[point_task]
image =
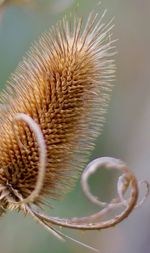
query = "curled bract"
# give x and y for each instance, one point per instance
(13, 199)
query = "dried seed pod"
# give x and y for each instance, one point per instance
(63, 85)
(51, 112)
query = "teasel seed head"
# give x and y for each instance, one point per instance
(63, 84)
(51, 113)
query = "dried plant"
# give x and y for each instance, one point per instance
(51, 112)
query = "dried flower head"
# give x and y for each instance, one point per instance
(51, 112)
(63, 85)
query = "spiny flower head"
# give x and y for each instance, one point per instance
(51, 112)
(63, 85)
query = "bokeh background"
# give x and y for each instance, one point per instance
(126, 134)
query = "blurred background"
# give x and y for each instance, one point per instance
(126, 134)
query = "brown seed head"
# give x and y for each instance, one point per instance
(63, 84)
(51, 113)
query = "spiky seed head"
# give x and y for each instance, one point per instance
(64, 85)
